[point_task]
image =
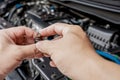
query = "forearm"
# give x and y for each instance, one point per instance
(97, 68)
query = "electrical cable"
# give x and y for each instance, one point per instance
(109, 56)
(17, 6)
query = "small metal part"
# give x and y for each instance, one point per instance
(37, 37)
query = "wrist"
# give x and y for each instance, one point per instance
(85, 66)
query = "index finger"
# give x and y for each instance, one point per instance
(57, 28)
(20, 31)
(21, 34)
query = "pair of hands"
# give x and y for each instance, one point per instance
(71, 52)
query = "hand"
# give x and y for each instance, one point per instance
(70, 52)
(74, 55)
(16, 44)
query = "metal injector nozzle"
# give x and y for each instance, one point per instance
(37, 37)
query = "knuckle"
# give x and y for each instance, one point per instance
(55, 24)
(76, 30)
(24, 27)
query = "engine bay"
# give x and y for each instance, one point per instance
(103, 32)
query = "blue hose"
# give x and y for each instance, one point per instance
(109, 56)
(18, 6)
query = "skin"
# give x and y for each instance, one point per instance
(16, 44)
(71, 52)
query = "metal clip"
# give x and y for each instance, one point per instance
(37, 37)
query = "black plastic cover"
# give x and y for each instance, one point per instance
(107, 12)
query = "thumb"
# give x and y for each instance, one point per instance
(28, 51)
(45, 46)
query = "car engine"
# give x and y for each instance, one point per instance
(99, 19)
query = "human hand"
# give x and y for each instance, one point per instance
(70, 52)
(16, 44)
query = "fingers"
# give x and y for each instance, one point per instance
(45, 46)
(57, 28)
(19, 33)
